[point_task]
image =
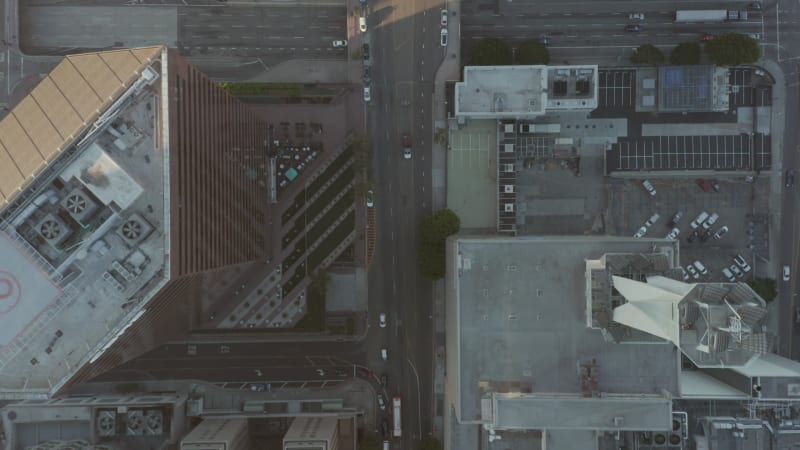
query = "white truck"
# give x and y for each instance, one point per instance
(709, 16)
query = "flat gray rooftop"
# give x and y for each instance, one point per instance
(522, 325)
(535, 413)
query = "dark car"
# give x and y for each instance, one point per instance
(342, 373)
(695, 234)
(789, 178)
(633, 28)
(365, 52)
(709, 232)
(385, 428)
(384, 379)
(367, 74)
(754, 6)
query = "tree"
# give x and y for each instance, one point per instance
(764, 287)
(685, 54)
(731, 49)
(648, 54)
(491, 52)
(433, 233)
(430, 443)
(532, 53)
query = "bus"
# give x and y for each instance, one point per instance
(397, 432)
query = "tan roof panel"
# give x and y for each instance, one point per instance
(46, 121)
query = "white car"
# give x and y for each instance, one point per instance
(384, 354)
(722, 232)
(712, 219)
(787, 273)
(636, 16)
(742, 263)
(673, 235)
(649, 186)
(362, 24)
(370, 199)
(684, 274)
(382, 320)
(443, 39)
(698, 220)
(653, 219)
(736, 271)
(641, 232)
(381, 402)
(339, 44)
(690, 268)
(701, 268)
(367, 93)
(729, 275)
(444, 17)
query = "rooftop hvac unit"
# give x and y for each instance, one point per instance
(508, 148)
(106, 423)
(508, 167)
(78, 205)
(134, 229)
(508, 188)
(135, 422)
(508, 128)
(154, 421)
(508, 207)
(53, 230)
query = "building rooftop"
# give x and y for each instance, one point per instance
(83, 242)
(521, 322)
(525, 92)
(693, 88)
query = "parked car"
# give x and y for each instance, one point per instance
(384, 354)
(382, 320)
(685, 274)
(675, 219)
(690, 268)
(633, 28)
(384, 379)
(362, 24)
(370, 198)
(444, 18)
(736, 271)
(338, 44)
(722, 232)
(754, 6)
(649, 187)
(695, 234)
(741, 263)
(700, 268)
(406, 146)
(367, 93)
(707, 235)
(673, 235)
(787, 273)
(712, 219)
(258, 387)
(699, 220)
(789, 178)
(653, 219)
(636, 16)
(443, 37)
(728, 275)
(381, 402)
(367, 74)
(641, 232)
(756, 36)
(705, 37)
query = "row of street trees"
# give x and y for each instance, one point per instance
(730, 49)
(497, 52)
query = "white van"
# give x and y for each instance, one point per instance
(701, 268)
(362, 24)
(710, 221)
(698, 220)
(385, 445)
(729, 275)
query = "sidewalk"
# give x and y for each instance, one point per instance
(448, 70)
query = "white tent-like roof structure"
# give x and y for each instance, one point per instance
(650, 308)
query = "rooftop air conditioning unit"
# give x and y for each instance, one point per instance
(106, 423)
(78, 205)
(508, 207)
(154, 421)
(134, 422)
(134, 229)
(508, 188)
(508, 167)
(53, 230)
(508, 148)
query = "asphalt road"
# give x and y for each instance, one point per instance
(402, 103)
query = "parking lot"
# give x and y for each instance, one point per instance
(748, 89)
(617, 89)
(735, 203)
(731, 152)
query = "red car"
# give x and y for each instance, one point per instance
(706, 37)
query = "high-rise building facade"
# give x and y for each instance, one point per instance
(127, 177)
